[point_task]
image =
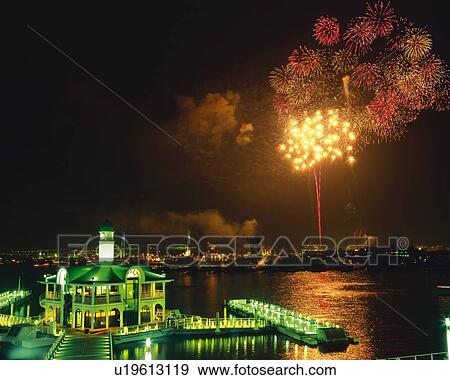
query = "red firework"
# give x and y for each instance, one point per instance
(366, 75)
(326, 31)
(381, 17)
(396, 37)
(383, 108)
(359, 37)
(282, 104)
(305, 61)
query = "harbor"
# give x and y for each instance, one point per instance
(101, 310)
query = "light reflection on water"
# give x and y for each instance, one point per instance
(348, 299)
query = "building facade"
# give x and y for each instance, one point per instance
(105, 295)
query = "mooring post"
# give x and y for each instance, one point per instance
(28, 311)
(12, 308)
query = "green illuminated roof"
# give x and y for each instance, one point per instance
(106, 226)
(105, 274)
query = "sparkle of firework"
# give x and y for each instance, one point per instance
(343, 61)
(416, 44)
(381, 17)
(280, 79)
(366, 75)
(318, 138)
(397, 35)
(382, 109)
(326, 31)
(359, 36)
(305, 61)
(282, 104)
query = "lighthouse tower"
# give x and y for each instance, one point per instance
(106, 243)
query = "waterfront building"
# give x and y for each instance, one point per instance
(104, 295)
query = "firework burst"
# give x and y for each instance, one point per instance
(281, 79)
(282, 104)
(320, 137)
(305, 61)
(343, 61)
(381, 17)
(359, 37)
(366, 75)
(326, 31)
(416, 44)
(361, 100)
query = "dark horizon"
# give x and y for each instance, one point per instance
(73, 154)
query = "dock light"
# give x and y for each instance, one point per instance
(148, 342)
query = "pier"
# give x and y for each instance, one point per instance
(11, 297)
(304, 329)
(190, 325)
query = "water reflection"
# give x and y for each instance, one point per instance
(348, 299)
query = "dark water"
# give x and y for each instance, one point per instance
(353, 300)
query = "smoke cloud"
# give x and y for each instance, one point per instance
(206, 222)
(210, 124)
(245, 134)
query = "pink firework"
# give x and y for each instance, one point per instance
(381, 17)
(383, 108)
(305, 61)
(366, 75)
(326, 31)
(359, 37)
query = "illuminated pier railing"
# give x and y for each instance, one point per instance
(195, 323)
(199, 323)
(11, 297)
(10, 320)
(278, 316)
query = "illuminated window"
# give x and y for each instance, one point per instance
(133, 273)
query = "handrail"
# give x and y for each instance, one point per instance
(55, 346)
(111, 348)
(420, 356)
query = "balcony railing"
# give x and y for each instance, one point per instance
(53, 296)
(115, 298)
(149, 295)
(98, 300)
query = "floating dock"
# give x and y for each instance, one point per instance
(301, 328)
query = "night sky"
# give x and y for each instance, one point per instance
(72, 154)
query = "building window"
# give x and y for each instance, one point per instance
(159, 314)
(145, 314)
(78, 319)
(87, 319)
(133, 273)
(100, 319)
(114, 289)
(100, 290)
(114, 318)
